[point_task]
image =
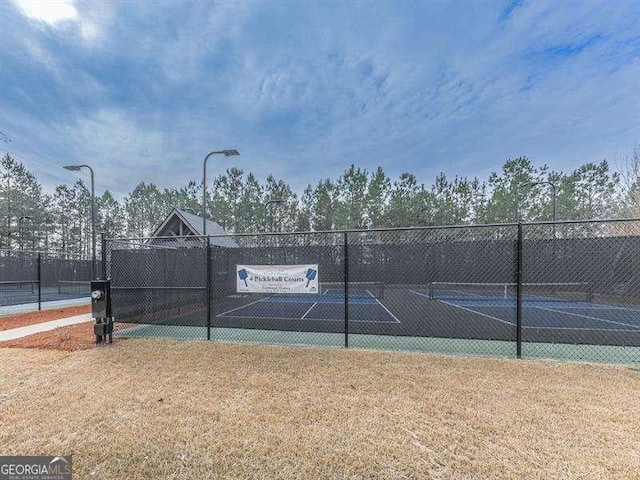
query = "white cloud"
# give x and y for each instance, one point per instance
(89, 19)
(304, 91)
(48, 11)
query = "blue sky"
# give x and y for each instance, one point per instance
(142, 91)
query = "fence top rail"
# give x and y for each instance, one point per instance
(382, 229)
(320, 232)
(573, 222)
(66, 256)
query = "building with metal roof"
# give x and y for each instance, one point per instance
(183, 224)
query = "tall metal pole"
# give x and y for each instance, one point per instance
(204, 193)
(93, 226)
(75, 168)
(226, 153)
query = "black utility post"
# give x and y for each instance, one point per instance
(226, 153)
(39, 281)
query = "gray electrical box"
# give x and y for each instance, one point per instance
(101, 299)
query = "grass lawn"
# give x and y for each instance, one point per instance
(167, 409)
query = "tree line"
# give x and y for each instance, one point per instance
(358, 199)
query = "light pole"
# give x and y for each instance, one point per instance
(226, 153)
(270, 212)
(20, 237)
(75, 168)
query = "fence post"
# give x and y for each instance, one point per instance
(39, 281)
(208, 250)
(519, 295)
(103, 255)
(346, 291)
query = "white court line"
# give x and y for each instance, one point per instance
(238, 308)
(307, 312)
(467, 309)
(224, 314)
(478, 313)
(418, 293)
(253, 303)
(590, 317)
(385, 308)
(598, 306)
(634, 327)
(580, 329)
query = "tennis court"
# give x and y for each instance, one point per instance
(537, 290)
(552, 313)
(329, 306)
(34, 280)
(552, 306)
(26, 292)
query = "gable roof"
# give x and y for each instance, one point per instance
(193, 224)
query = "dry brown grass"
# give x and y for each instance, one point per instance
(163, 409)
(22, 319)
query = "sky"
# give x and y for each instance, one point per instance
(141, 91)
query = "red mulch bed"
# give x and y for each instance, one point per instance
(30, 318)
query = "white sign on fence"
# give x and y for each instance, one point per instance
(277, 278)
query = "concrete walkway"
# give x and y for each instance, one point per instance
(20, 332)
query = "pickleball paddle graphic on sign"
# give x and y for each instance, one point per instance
(243, 276)
(311, 274)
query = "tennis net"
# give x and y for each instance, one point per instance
(74, 287)
(355, 290)
(25, 286)
(551, 292)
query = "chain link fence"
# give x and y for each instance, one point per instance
(539, 290)
(29, 279)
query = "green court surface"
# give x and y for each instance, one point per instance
(434, 345)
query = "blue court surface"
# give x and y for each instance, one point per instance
(329, 307)
(547, 313)
(538, 312)
(405, 311)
